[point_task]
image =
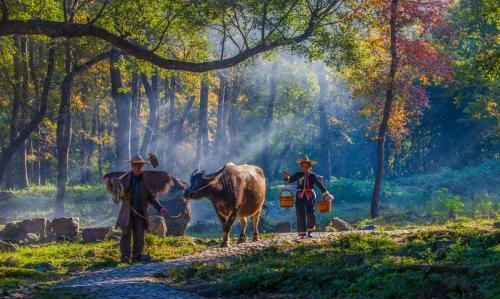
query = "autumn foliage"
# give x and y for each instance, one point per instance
(422, 61)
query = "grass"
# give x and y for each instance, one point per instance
(457, 260)
(50, 262)
(371, 265)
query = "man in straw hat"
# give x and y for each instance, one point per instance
(133, 216)
(305, 197)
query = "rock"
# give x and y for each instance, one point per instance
(157, 226)
(38, 226)
(7, 247)
(12, 231)
(75, 269)
(283, 227)
(340, 225)
(65, 227)
(30, 238)
(368, 227)
(95, 234)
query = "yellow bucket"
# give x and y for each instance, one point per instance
(324, 205)
(286, 198)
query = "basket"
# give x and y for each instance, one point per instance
(324, 205)
(286, 199)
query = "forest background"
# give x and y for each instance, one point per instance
(75, 103)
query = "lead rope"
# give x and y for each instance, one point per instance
(137, 213)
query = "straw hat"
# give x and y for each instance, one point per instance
(306, 160)
(137, 159)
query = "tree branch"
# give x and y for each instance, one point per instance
(88, 64)
(72, 30)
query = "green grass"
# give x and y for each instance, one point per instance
(426, 264)
(29, 264)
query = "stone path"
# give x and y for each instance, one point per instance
(139, 281)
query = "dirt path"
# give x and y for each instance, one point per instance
(139, 281)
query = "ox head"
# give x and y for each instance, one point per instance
(200, 183)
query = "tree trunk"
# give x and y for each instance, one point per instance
(90, 142)
(152, 95)
(220, 134)
(63, 131)
(22, 169)
(171, 105)
(122, 103)
(63, 138)
(135, 113)
(323, 123)
(16, 107)
(375, 208)
(268, 122)
(35, 143)
(279, 162)
(170, 131)
(202, 140)
(100, 129)
(232, 122)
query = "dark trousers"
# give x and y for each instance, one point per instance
(306, 215)
(136, 229)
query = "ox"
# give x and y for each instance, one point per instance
(235, 191)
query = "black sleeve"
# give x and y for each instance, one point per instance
(319, 182)
(293, 178)
(153, 201)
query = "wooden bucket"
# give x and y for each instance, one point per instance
(324, 205)
(286, 199)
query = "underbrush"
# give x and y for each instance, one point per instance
(49, 262)
(440, 262)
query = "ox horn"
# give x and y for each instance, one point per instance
(214, 174)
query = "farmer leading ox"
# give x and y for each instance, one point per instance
(235, 191)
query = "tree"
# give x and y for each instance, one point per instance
(17, 142)
(63, 140)
(375, 209)
(401, 58)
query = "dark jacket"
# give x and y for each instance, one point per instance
(147, 198)
(313, 179)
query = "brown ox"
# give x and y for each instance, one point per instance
(235, 191)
